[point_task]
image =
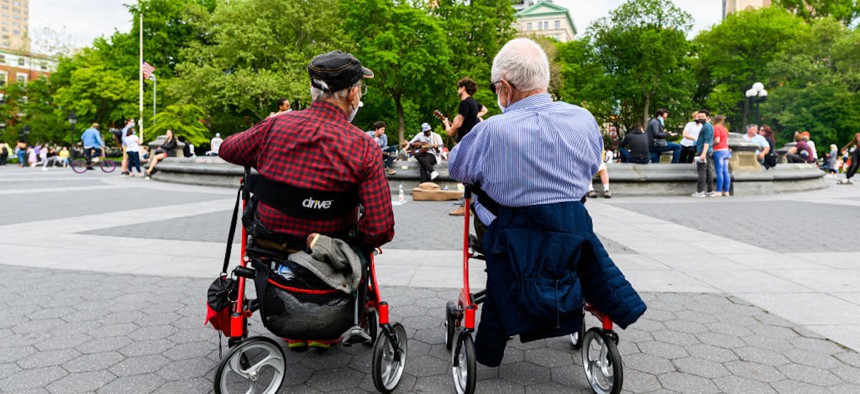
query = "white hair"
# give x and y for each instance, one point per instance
(321, 95)
(523, 63)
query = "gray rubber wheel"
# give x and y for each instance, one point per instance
(387, 368)
(602, 362)
(463, 366)
(255, 365)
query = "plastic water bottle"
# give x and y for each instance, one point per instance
(401, 197)
(445, 188)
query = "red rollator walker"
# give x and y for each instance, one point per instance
(295, 308)
(598, 345)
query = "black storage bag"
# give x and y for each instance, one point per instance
(302, 307)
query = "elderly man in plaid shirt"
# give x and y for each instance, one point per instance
(319, 149)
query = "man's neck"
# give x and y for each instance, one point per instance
(342, 104)
(520, 95)
(464, 96)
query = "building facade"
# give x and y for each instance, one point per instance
(544, 18)
(732, 6)
(15, 25)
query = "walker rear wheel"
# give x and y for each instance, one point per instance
(602, 362)
(576, 338)
(389, 359)
(463, 365)
(255, 365)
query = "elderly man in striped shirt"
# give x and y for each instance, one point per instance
(531, 167)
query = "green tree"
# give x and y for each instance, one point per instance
(814, 84)
(475, 31)
(734, 54)
(255, 52)
(185, 120)
(406, 48)
(84, 84)
(642, 51)
(844, 10)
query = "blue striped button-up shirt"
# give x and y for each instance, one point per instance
(536, 152)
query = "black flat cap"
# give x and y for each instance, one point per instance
(338, 70)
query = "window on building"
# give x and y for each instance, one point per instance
(540, 25)
(528, 26)
(2, 78)
(2, 58)
(22, 78)
(546, 25)
(21, 61)
(558, 24)
(44, 66)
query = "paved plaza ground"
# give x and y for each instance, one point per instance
(105, 280)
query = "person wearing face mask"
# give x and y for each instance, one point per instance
(318, 149)
(533, 209)
(426, 145)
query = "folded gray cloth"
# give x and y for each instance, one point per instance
(333, 261)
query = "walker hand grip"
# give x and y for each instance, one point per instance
(245, 272)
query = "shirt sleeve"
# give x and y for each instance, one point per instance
(244, 148)
(463, 109)
(465, 161)
(376, 226)
(415, 138)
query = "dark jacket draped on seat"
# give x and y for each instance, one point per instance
(541, 261)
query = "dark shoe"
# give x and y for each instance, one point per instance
(390, 171)
(607, 194)
(592, 194)
(458, 212)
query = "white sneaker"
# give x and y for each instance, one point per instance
(698, 195)
(848, 181)
(711, 194)
(434, 175)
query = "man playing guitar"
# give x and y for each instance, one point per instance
(426, 145)
(469, 112)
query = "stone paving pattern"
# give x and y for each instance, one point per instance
(411, 228)
(764, 224)
(68, 331)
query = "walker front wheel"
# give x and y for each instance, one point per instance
(463, 365)
(389, 359)
(602, 362)
(255, 365)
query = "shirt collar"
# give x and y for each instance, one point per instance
(530, 101)
(328, 108)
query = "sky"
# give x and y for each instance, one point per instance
(78, 22)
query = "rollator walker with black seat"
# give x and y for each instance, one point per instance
(598, 345)
(298, 306)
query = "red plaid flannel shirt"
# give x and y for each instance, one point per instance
(317, 149)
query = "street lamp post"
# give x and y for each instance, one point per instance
(72, 120)
(755, 94)
(25, 132)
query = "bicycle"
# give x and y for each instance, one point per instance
(81, 165)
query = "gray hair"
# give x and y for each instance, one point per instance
(322, 95)
(752, 125)
(523, 63)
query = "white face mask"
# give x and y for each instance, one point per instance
(354, 111)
